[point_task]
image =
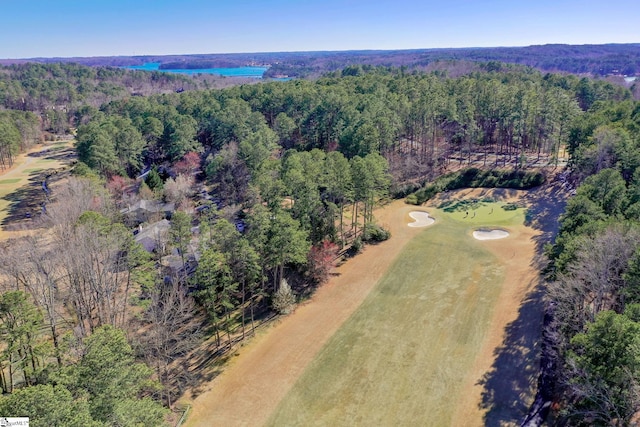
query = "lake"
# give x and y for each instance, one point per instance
(253, 72)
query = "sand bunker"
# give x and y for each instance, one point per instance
(422, 219)
(486, 234)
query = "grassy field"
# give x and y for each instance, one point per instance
(402, 358)
(483, 211)
(25, 174)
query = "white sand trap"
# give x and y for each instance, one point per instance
(485, 234)
(422, 219)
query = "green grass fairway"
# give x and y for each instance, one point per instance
(26, 169)
(403, 356)
(483, 212)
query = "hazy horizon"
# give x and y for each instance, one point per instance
(311, 51)
(69, 28)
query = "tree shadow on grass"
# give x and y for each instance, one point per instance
(28, 203)
(450, 206)
(510, 382)
(63, 154)
(60, 152)
(210, 360)
(25, 205)
(545, 205)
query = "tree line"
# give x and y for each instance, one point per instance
(19, 130)
(58, 92)
(270, 182)
(417, 121)
(594, 337)
(302, 163)
(594, 60)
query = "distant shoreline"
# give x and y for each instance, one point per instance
(251, 72)
(604, 60)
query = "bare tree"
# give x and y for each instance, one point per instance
(594, 281)
(71, 201)
(172, 331)
(90, 252)
(178, 190)
(98, 272)
(592, 287)
(32, 264)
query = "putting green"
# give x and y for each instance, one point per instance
(483, 211)
(402, 357)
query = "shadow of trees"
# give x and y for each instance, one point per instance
(509, 382)
(508, 385)
(28, 202)
(209, 360)
(55, 152)
(545, 205)
(25, 204)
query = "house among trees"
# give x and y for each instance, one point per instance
(154, 236)
(148, 210)
(176, 267)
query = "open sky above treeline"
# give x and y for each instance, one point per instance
(67, 28)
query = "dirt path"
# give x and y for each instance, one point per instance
(248, 391)
(26, 159)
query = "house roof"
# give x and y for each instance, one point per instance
(149, 206)
(151, 235)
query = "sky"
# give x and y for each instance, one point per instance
(67, 28)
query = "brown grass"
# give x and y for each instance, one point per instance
(493, 393)
(255, 381)
(24, 172)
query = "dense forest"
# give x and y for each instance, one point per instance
(60, 92)
(199, 214)
(593, 338)
(593, 60)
